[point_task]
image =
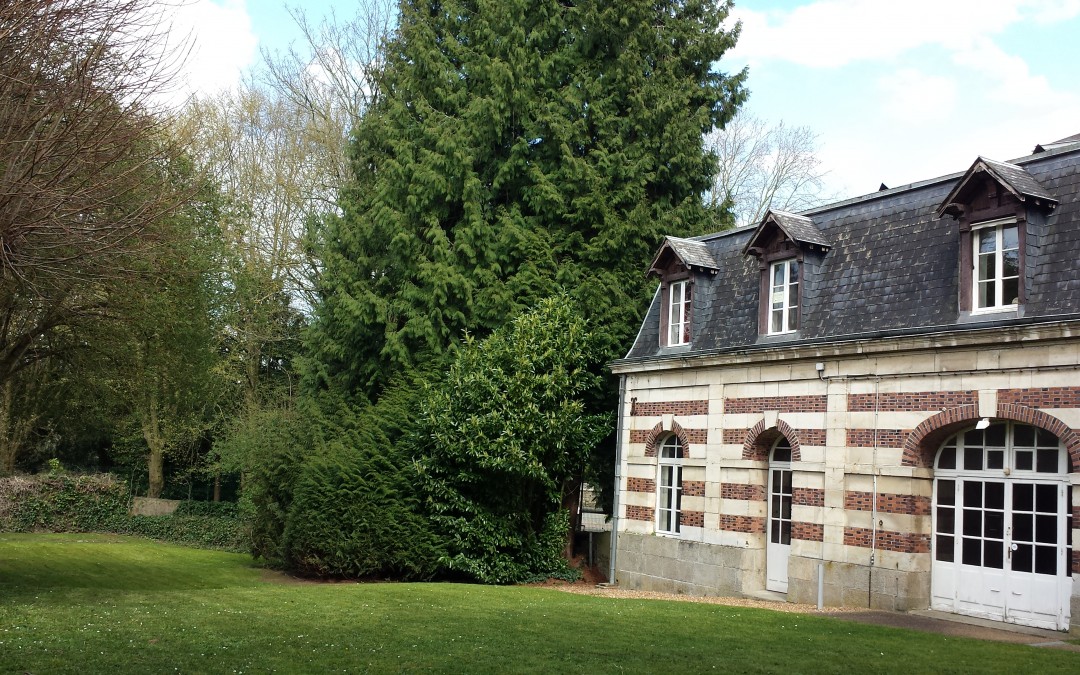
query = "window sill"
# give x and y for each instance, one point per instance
(995, 314)
(779, 337)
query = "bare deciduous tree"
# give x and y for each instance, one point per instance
(763, 166)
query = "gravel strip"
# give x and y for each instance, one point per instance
(773, 605)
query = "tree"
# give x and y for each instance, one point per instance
(83, 166)
(764, 166)
(503, 442)
(516, 149)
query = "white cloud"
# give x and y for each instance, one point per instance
(912, 96)
(223, 44)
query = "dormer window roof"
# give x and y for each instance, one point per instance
(799, 229)
(1012, 178)
(693, 255)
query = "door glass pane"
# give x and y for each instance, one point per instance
(993, 554)
(775, 532)
(995, 459)
(973, 458)
(776, 481)
(995, 435)
(947, 458)
(1046, 529)
(786, 482)
(785, 508)
(1022, 530)
(946, 520)
(1023, 435)
(1024, 460)
(971, 552)
(973, 437)
(994, 525)
(1045, 560)
(995, 496)
(1023, 499)
(776, 506)
(1021, 558)
(785, 532)
(972, 494)
(946, 492)
(1046, 498)
(944, 548)
(972, 522)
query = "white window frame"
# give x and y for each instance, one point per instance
(678, 330)
(669, 486)
(786, 309)
(998, 280)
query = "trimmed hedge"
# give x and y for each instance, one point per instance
(99, 503)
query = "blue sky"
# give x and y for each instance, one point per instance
(896, 91)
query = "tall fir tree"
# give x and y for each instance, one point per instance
(519, 148)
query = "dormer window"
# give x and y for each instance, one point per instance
(678, 263)
(994, 205)
(997, 266)
(679, 313)
(784, 297)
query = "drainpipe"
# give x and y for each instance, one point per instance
(618, 481)
(873, 511)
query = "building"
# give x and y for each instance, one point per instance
(884, 391)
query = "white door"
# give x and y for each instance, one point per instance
(1002, 516)
(778, 548)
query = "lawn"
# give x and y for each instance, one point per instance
(96, 603)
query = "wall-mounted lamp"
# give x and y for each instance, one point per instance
(820, 370)
(983, 423)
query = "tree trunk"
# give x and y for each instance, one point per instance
(155, 441)
(571, 501)
(217, 486)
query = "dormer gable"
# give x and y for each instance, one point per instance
(678, 255)
(989, 189)
(780, 227)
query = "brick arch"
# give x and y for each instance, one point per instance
(922, 444)
(759, 441)
(657, 433)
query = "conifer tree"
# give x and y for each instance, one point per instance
(519, 148)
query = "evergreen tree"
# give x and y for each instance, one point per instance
(519, 148)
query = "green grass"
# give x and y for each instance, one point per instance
(93, 604)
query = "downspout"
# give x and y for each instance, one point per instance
(618, 481)
(873, 503)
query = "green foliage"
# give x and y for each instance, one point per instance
(518, 147)
(332, 495)
(504, 439)
(99, 503)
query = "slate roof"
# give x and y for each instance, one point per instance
(1012, 177)
(892, 268)
(1068, 140)
(798, 228)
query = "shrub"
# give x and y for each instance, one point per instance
(99, 503)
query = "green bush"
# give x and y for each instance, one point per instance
(99, 503)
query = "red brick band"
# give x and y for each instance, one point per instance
(884, 438)
(639, 409)
(887, 540)
(1042, 397)
(748, 524)
(639, 512)
(807, 531)
(634, 484)
(693, 488)
(910, 401)
(692, 518)
(746, 492)
(802, 496)
(912, 505)
(759, 404)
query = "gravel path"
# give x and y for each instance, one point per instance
(710, 600)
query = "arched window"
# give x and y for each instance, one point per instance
(669, 491)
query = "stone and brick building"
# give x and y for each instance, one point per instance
(885, 390)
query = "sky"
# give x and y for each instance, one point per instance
(896, 91)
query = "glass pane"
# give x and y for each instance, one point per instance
(1024, 460)
(774, 534)
(995, 435)
(776, 481)
(971, 551)
(987, 267)
(1047, 461)
(1010, 264)
(995, 459)
(993, 554)
(665, 521)
(1045, 560)
(944, 548)
(972, 523)
(1009, 237)
(776, 506)
(1023, 497)
(787, 482)
(777, 325)
(1046, 529)
(1021, 558)
(973, 437)
(1023, 436)
(994, 525)
(1010, 291)
(1045, 438)
(778, 275)
(973, 458)
(785, 511)
(995, 496)
(946, 492)
(987, 240)
(686, 293)
(973, 494)
(987, 296)
(1046, 498)
(666, 478)
(946, 520)
(793, 295)
(782, 452)
(785, 532)
(673, 334)
(793, 317)
(947, 458)
(793, 272)
(1021, 523)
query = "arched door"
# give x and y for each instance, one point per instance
(779, 531)
(1003, 526)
